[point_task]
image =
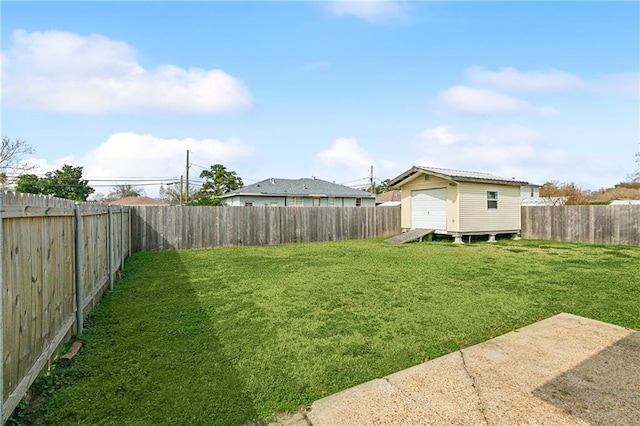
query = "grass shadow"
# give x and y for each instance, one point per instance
(151, 342)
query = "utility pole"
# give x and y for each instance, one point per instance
(181, 188)
(371, 186)
(187, 198)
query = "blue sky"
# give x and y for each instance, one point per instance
(534, 90)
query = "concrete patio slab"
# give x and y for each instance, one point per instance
(565, 370)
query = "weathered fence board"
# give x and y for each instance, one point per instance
(166, 228)
(38, 272)
(586, 224)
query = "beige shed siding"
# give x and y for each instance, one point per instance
(434, 182)
(476, 217)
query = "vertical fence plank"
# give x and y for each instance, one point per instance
(595, 224)
(79, 269)
(2, 302)
(53, 263)
(158, 228)
(122, 253)
(110, 246)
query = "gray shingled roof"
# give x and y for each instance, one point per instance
(292, 187)
(457, 176)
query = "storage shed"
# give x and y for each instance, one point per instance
(459, 203)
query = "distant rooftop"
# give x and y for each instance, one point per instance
(298, 187)
(139, 201)
(389, 196)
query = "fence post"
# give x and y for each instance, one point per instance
(121, 238)
(130, 244)
(1, 313)
(110, 246)
(79, 269)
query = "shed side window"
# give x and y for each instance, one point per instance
(492, 199)
(358, 202)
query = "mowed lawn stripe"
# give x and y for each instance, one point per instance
(228, 335)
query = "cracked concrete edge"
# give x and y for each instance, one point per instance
(474, 385)
(298, 418)
(396, 388)
(407, 397)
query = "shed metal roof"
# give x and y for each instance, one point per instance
(456, 176)
(298, 187)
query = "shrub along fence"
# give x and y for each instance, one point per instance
(56, 256)
(585, 224)
(166, 228)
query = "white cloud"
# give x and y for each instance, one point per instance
(623, 84)
(512, 80)
(67, 72)
(484, 101)
(444, 135)
(372, 11)
(508, 150)
(346, 152)
(145, 156)
(508, 134)
(345, 160)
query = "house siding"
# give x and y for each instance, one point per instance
(241, 200)
(307, 201)
(475, 217)
(529, 191)
(434, 182)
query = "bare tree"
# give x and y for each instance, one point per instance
(635, 176)
(171, 193)
(12, 164)
(565, 193)
(125, 190)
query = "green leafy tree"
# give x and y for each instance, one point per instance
(383, 186)
(218, 181)
(29, 183)
(66, 182)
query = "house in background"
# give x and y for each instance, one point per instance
(530, 196)
(459, 203)
(625, 203)
(389, 199)
(298, 193)
(529, 190)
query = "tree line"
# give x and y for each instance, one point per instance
(572, 193)
(67, 182)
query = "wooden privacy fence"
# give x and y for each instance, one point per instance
(56, 255)
(166, 228)
(585, 224)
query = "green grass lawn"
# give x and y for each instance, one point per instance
(227, 335)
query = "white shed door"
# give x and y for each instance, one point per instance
(429, 209)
